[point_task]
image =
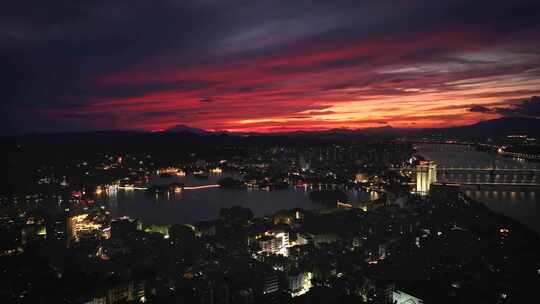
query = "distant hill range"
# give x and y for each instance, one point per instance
(486, 129)
(494, 128)
(188, 129)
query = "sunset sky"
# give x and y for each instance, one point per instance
(266, 66)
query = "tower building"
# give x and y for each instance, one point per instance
(426, 174)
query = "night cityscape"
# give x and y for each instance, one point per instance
(224, 152)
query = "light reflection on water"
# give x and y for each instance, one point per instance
(467, 157)
(520, 205)
(190, 206)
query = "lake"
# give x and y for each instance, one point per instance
(190, 206)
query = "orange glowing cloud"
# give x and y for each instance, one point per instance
(287, 80)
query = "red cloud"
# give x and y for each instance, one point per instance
(425, 78)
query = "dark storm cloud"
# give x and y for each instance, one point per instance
(53, 54)
(480, 109)
(524, 108)
(528, 108)
(127, 90)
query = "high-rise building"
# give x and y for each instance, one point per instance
(271, 283)
(81, 227)
(400, 297)
(426, 174)
(57, 228)
(275, 242)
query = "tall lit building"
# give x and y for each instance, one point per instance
(426, 174)
(275, 242)
(80, 227)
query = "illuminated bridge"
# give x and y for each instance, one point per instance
(489, 176)
(506, 178)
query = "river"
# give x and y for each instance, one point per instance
(523, 206)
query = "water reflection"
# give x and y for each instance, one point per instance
(190, 206)
(466, 157)
(520, 205)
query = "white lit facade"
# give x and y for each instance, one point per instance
(426, 174)
(399, 297)
(276, 243)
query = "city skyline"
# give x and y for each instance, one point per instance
(270, 152)
(267, 67)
